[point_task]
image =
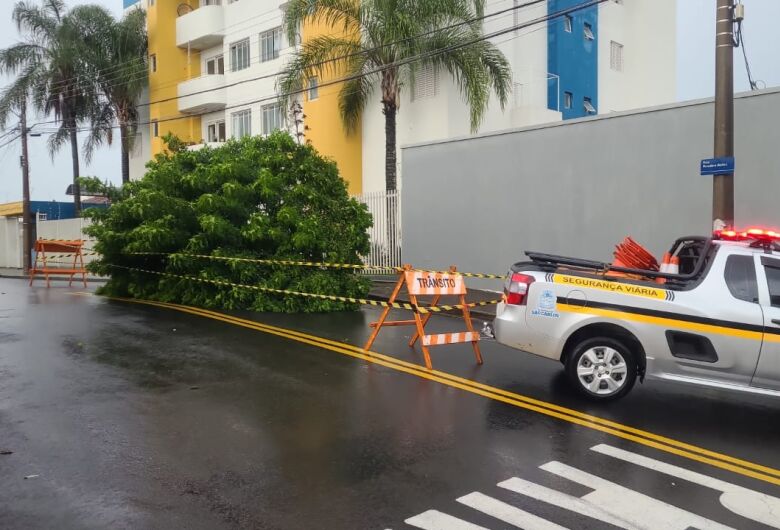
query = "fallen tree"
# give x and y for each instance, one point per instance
(266, 198)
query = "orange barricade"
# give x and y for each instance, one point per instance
(59, 246)
(436, 284)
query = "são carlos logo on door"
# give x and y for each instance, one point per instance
(547, 305)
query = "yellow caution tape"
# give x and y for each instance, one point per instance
(318, 264)
(362, 301)
(67, 255)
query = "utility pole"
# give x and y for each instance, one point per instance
(26, 220)
(723, 185)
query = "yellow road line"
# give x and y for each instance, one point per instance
(669, 445)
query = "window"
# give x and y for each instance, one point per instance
(242, 123)
(587, 103)
(42, 216)
(568, 23)
(426, 82)
(740, 277)
(273, 118)
(153, 62)
(772, 268)
(216, 131)
(314, 89)
(588, 29)
(568, 98)
(215, 65)
(210, 3)
(239, 55)
(270, 44)
(151, 3)
(155, 129)
(616, 56)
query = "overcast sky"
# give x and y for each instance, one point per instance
(695, 79)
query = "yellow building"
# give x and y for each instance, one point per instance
(213, 66)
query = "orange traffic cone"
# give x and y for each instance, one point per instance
(674, 265)
(665, 264)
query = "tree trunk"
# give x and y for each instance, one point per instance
(391, 200)
(125, 143)
(74, 151)
(390, 155)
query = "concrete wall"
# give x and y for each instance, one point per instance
(10, 243)
(579, 187)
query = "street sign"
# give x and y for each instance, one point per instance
(717, 166)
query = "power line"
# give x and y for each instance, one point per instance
(531, 3)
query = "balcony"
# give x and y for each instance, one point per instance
(201, 28)
(202, 94)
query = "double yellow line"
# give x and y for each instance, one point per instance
(662, 443)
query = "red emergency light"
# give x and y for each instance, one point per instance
(751, 234)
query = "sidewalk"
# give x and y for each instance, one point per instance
(19, 274)
(381, 289)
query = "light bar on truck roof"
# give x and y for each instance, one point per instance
(751, 234)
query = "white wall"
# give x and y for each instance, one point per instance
(648, 31)
(142, 149)
(10, 242)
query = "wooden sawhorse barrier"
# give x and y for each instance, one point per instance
(59, 246)
(423, 283)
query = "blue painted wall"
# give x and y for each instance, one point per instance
(573, 58)
(56, 210)
(128, 3)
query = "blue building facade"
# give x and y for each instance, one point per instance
(128, 3)
(55, 210)
(572, 55)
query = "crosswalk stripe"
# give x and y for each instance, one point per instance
(563, 500)
(745, 502)
(507, 513)
(436, 520)
(638, 509)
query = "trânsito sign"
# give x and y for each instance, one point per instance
(717, 166)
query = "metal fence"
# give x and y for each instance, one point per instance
(385, 235)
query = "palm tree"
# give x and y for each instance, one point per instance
(48, 64)
(116, 53)
(383, 44)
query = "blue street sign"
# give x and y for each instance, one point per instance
(717, 166)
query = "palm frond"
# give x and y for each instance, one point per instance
(355, 92)
(342, 15)
(101, 129)
(57, 140)
(320, 57)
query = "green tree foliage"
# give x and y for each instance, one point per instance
(267, 198)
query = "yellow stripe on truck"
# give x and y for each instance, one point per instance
(668, 322)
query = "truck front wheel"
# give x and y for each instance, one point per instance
(602, 368)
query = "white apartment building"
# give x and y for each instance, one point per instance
(217, 63)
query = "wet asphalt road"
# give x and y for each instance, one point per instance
(131, 416)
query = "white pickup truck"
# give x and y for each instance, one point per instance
(715, 323)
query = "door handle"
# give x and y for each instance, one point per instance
(776, 321)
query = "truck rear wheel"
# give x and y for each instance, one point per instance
(602, 368)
